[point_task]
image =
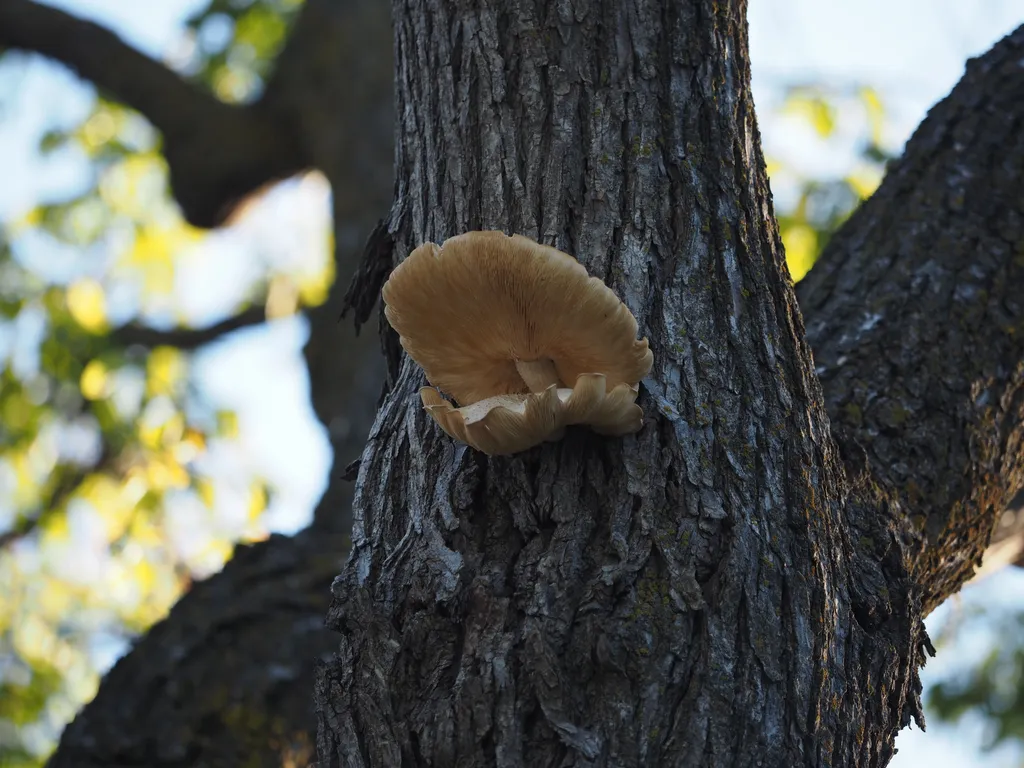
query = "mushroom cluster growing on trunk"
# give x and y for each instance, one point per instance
(523, 339)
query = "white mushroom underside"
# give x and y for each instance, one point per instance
(511, 423)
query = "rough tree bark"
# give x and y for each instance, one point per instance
(915, 317)
(740, 584)
(654, 566)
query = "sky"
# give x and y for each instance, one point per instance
(913, 51)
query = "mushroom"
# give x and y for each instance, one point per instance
(507, 424)
(520, 336)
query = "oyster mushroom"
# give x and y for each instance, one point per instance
(507, 424)
(522, 338)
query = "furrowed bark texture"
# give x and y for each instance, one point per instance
(916, 319)
(684, 597)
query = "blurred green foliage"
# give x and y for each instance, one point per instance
(96, 437)
(844, 122)
(93, 436)
(236, 42)
(992, 689)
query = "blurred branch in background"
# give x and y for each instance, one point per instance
(101, 57)
(187, 338)
(1007, 546)
(217, 153)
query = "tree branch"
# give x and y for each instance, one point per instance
(22, 528)
(916, 319)
(273, 594)
(99, 55)
(188, 338)
(217, 153)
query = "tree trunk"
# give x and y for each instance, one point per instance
(728, 587)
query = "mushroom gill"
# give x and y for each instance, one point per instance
(519, 335)
(506, 424)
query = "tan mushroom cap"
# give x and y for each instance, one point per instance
(507, 424)
(487, 314)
